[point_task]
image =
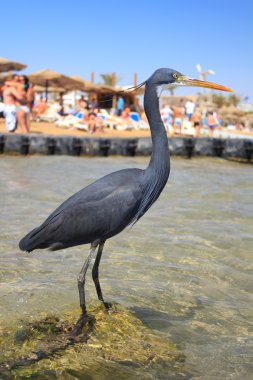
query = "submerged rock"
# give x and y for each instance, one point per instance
(114, 340)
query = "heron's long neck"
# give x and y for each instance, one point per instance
(160, 151)
(158, 170)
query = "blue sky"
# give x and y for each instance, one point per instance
(76, 37)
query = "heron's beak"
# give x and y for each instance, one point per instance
(186, 81)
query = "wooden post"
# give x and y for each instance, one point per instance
(113, 79)
(114, 101)
(92, 76)
(135, 91)
(61, 101)
(135, 79)
(46, 90)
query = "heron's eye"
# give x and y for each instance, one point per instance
(175, 76)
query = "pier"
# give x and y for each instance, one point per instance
(93, 146)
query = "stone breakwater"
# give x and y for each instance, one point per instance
(92, 146)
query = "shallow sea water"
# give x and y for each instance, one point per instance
(185, 269)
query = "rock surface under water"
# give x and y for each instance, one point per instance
(42, 349)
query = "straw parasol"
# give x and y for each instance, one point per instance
(49, 78)
(230, 110)
(87, 85)
(104, 89)
(49, 89)
(8, 65)
(98, 88)
(230, 114)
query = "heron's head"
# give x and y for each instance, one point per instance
(170, 79)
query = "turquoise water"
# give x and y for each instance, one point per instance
(185, 269)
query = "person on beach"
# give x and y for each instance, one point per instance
(11, 96)
(93, 104)
(82, 104)
(167, 117)
(211, 122)
(31, 98)
(40, 107)
(178, 117)
(95, 122)
(218, 122)
(189, 107)
(23, 110)
(120, 106)
(196, 119)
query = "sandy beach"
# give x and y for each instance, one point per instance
(52, 129)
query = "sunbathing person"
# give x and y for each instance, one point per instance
(95, 122)
(82, 104)
(41, 107)
(126, 114)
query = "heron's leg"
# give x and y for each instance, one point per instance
(95, 275)
(84, 318)
(81, 280)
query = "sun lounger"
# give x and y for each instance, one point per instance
(81, 126)
(187, 128)
(65, 121)
(135, 116)
(72, 122)
(50, 118)
(51, 115)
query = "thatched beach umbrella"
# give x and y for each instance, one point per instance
(98, 88)
(230, 110)
(230, 114)
(104, 89)
(49, 89)
(87, 85)
(49, 78)
(8, 65)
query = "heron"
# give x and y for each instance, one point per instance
(107, 206)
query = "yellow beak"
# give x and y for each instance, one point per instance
(201, 83)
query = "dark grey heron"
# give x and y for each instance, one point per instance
(104, 208)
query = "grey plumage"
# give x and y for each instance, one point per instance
(92, 215)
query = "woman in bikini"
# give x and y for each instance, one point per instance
(26, 94)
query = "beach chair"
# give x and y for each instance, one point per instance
(79, 115)
(135, 116)
(66, 121)
(187, 128)
(81, 126)
(51, 115)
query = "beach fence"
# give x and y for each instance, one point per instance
(91, 146)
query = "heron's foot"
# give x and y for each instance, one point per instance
(107, 305)
(83, 320)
